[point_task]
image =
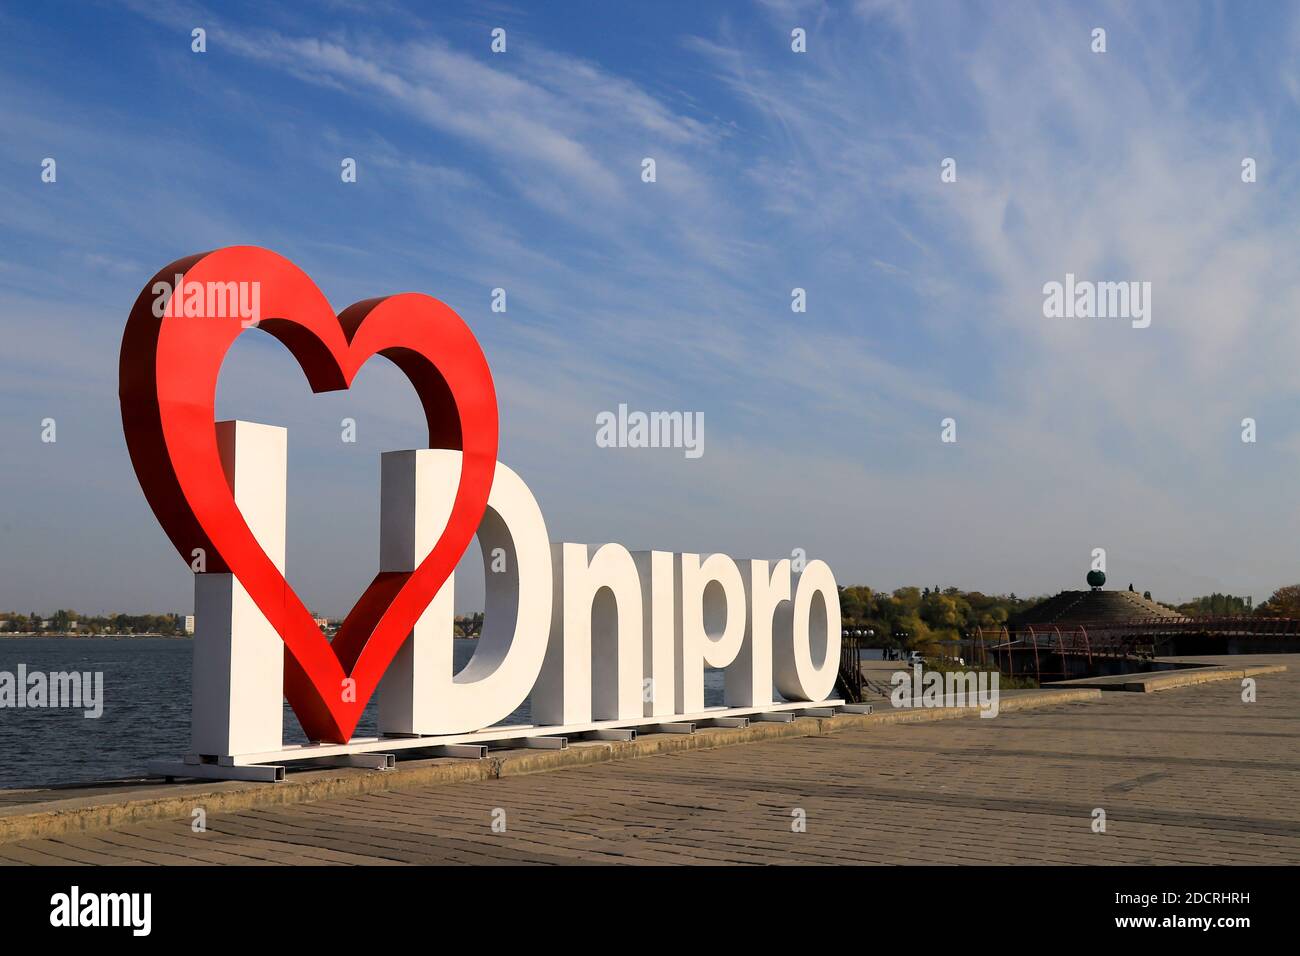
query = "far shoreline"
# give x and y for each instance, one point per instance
(73, 636)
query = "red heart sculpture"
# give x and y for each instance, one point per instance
(167, 386)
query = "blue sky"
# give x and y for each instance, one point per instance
(775, 170)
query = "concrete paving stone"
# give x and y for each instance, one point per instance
(1186, 775)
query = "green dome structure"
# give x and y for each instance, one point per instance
(1096, 579)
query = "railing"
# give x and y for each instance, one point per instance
(1140, 637)
(1110, 636)
(848, 682)
(1114, 639)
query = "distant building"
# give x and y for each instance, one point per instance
(1093, 606)
(188, 624)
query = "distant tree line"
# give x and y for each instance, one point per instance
(70, 622)
(468, 625)
(913, 618)
(1284, 602)
(918, 618)
(64, 621)
(1217, 605)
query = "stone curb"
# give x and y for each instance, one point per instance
(1168, 680)
(163, 801)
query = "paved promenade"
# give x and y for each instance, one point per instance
(1189, 775)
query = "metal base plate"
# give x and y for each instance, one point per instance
(377, 752)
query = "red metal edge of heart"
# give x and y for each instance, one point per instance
(167, 380)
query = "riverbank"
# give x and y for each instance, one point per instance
(80, 636)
